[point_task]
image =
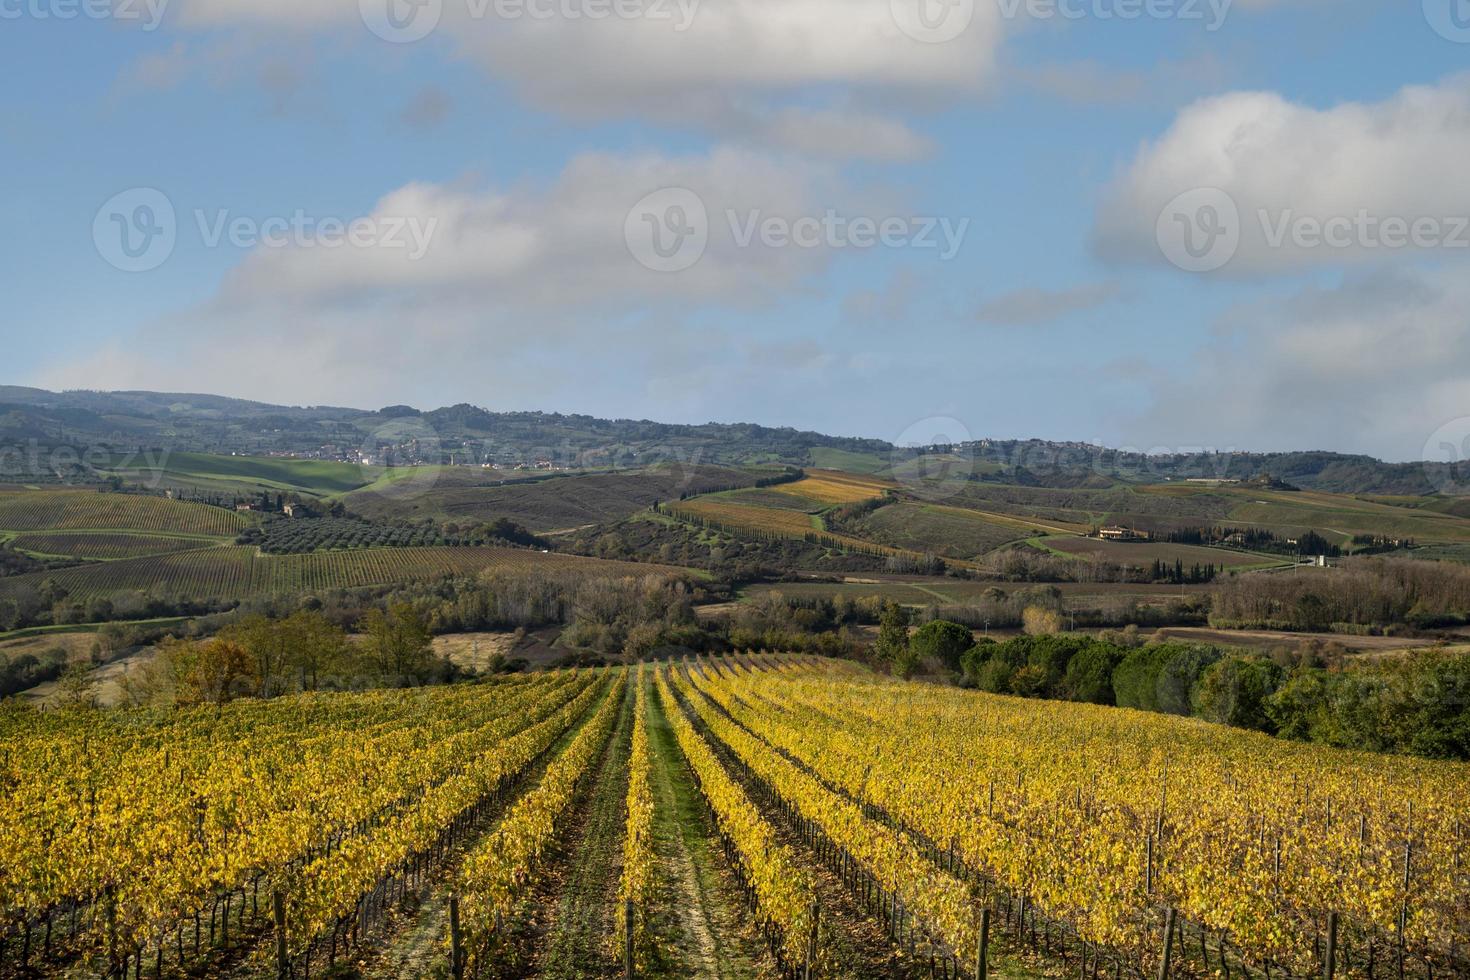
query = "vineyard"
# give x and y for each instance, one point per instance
(104, 545)
(238, 571)
(750, 816)
(767, 523)
(832, 487)
(84, 510)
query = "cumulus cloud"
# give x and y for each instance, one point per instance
(1356, 181)
(566, 245)
(758, 69)
(840, 134)
(509, 279)
(1327, 368)
(1034, 307)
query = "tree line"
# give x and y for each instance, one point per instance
(1417, 704)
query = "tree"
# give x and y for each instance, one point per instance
(1136, 678)
(1039, 622)
(1179, 677)
(268, 646)
(315, 647)
(1235, 691)
(1089, 676)
(942, 640)
(74, 688)
(192, 672)
(893, 636)
(398, 643)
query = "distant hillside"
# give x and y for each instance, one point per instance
(209, 424)
(399, 435)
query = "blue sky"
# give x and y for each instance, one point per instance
(531, 152)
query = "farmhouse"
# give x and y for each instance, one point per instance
(1123, 534)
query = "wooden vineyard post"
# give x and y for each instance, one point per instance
(983, 947)
(283, 963)
(456, 946)
(1329, 965)
(1168, 944)
(628, 938)
(811, 943)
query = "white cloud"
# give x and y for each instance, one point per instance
(512, 276)
(842, 134)
(762, 70)
(1374, 364)
(563, 246)
(1401, 158)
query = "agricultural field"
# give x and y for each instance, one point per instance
(86, 510)
(284, 536)
(233, 572)
(748, 817)
(543, 505)
(830, 487)
(106, 545)
(724, 513)
(848, 461)
(1140, 553)
(241, 475)
(1169, 506)
(916, 591)
(950, 532)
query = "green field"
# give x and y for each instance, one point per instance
(247, 474)
(848, 461)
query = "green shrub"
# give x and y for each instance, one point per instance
(942, 640)
(1235, 691)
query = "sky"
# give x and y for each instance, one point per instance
(1153, 224)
